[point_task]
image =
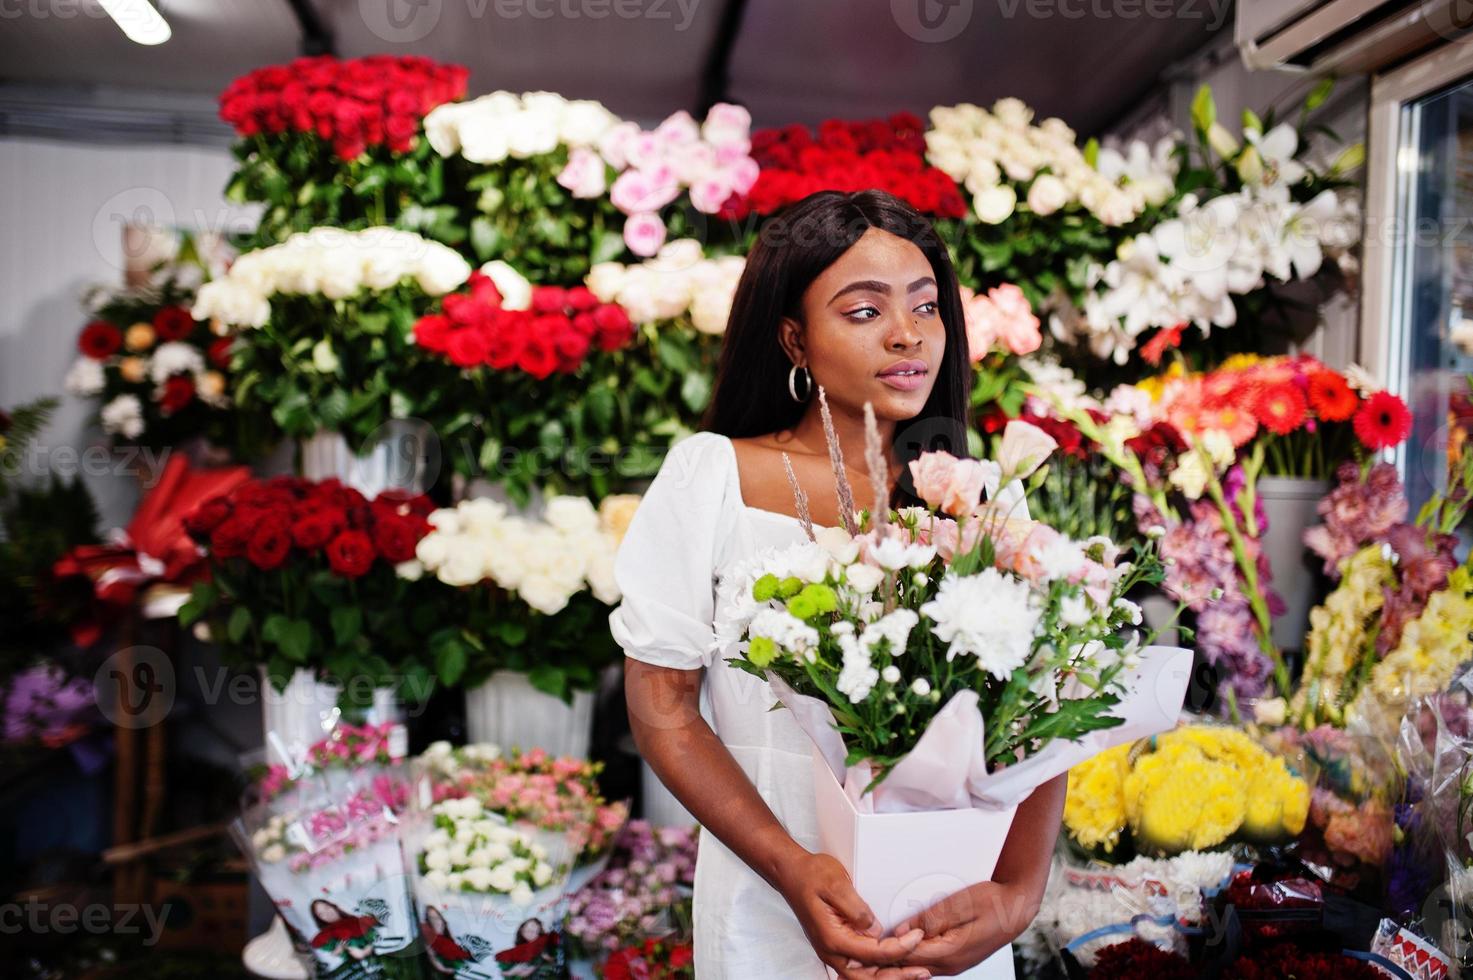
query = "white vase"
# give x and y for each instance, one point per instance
(659, 805)
(508, 711)
(402, 454)
(271, 955)
(307, 708)
(1289, 505)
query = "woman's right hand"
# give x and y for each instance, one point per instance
(841, 927)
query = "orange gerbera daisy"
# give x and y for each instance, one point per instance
(1331, 396)
(1280, 407)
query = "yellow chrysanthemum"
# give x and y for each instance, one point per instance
(1278, 802)
(1094, 810)
(1431, 646)
(1178, 799)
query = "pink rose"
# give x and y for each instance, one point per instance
(708, 194)
(678, 130)
(951, 485)
(727, 124)
(613, 146)
(644, 233)
(640, 190)
(1001, 318)
(584, 176)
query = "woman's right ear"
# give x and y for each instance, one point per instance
(790, 338)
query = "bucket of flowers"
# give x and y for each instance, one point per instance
(946, 661)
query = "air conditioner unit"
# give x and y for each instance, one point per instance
(1343, 36)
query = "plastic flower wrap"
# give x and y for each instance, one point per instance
(644, 893)
(1194, 788)
(326, 847)
(489, 886)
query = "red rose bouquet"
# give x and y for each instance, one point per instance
(303, 576)
(324, 141)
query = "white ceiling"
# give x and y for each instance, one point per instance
(789, 60)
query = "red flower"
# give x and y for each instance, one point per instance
(219, 352)
(1331, 396)
(1383, 421)
(1280, 408)
(100, 340)
(1163, 340)
(269, 545)
(467, 347)
(433, 332)
(178, 392)
(351, 554)
(206, 517)
(173, 323)
(395, 536)
(314, 530)
(230, 538)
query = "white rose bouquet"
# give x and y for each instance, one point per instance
(322, 328)
(531, 594)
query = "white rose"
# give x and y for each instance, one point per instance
(479, 878)
(437, 859)
(442, 269)
(1047, 195)
(601, 578)
(571, 515)
(995, 204)
(502, 878)
(710, 312)
(605, 280)
(584, 122)
(442, 127)
(544, 594)
(464, 564)
(533, 134)
(515, 290)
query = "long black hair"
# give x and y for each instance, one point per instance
(794, 246)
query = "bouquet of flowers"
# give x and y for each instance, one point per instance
(322, 328)
(490, 871)
(503, 154)
(328, 853)
(551, 793)
(159, 375)
(654, 959)
(1195, 788)
(643, 895)
(847, 155)
(303, 576)
(1252, 215)
(954, 639)
(324, 141)
(530, 594)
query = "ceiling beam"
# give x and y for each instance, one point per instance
(316, 38)
(717, 71)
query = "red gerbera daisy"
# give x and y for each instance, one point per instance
(1383, 421)
(100, 340)
(1280, 408)
(1331, 396)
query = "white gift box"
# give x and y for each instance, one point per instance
(903, 863)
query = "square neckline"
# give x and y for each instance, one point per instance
(736, 484)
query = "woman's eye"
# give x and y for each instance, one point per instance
(864, 309)
(928, 308)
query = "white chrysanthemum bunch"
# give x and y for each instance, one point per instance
(1001, 154)
(677, 282)
(472, 850)
(504, 124)
(330, 262)
(544, 561)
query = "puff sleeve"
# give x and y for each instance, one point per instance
(666, 561)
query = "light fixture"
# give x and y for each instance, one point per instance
(138, 20)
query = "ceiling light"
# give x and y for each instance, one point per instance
(138, 20)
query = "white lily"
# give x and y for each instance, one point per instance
(1276, 150)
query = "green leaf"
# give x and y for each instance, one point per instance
(296, 640)
(239, 624)
(450, 660)
(274, 626)
(347, 623)
(1319, 94)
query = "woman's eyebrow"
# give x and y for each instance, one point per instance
(876, 286)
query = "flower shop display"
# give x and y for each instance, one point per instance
(1245, 217)
(323, 836)
(160, 377)
(303, 578)
(322, 329)
(657, 959)
(323, 141)
(527, 635)
(1194, 788)
(932, 621)
(643, 896)
(1397, 624)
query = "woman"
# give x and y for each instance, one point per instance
(854, 293)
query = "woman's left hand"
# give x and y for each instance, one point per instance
(968, 926)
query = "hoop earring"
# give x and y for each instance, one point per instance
(807, 383)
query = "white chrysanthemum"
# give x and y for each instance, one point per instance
(858, 675)
(174, 358)
(893, 553)
(123, 416)
(1060, 558)
(784, 629)
(988, 615)
(84, 378)
(894, 627)
(1074, 611)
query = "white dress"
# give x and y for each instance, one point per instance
(691, 526)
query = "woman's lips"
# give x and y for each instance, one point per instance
(906, 376)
